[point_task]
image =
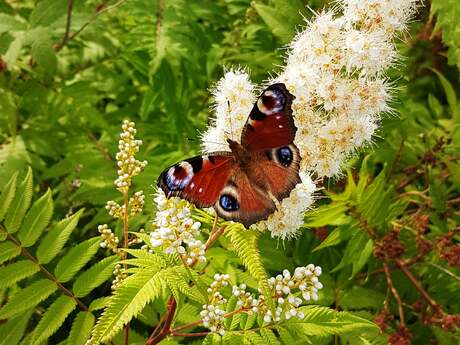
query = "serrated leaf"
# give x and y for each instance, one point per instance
(76, 258)
(321, 321)
(43, 52)
(9, 23)
(20, 204)
(8, 250)
(56, 238)
(269, 336)
(7, 195)
(338, 235)
(47, 12)
(99, 303)
(178, 281)
(11, 274)
(28, 298)
(245, 244)
(12, 331)
(53, 318)
(364, 255)
(94, 276)
(81, 328)
(36, 220)
(127, 301)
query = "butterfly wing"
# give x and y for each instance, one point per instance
(199, 180)
(277, 170)
(216, 180)
(270, 123)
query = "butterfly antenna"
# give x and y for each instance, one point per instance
(230, 120)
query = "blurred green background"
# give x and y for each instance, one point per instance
(65, 91)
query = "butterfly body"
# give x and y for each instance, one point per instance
(246, 183)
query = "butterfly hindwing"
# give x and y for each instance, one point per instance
(270, 123)
(243, 201)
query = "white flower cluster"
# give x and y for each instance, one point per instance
(335, 68)
(285, 288)
(176, 231)
(213, 312)
(109, 240)
(234, 98)
(289, 217)
(128, 166)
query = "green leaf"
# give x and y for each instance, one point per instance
(47, 12)
(20, 204)
(364, 255)
(75, 259)
(338, 235)
(7, 195)
(8, 250)
(245, 244)
(43, 52)
(359, 298)
(127, 301)
(11, 274)
(9, 23)
(94, 276)
(81, 328)
(12, 331)
(53, 318)
(320, 321)
(28, 298)
(449, 90)
(178, 281)
(269, 336)
(56, 238)
(36, 220)
(332, 214)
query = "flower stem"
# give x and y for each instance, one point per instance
(125, 246)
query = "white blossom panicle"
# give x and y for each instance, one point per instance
(128, 165)
(234, 97)
(176, 231)
(120, 274)
(289, 293)
(213, 312)
(109, 240)
(289, 217)
(335, 67)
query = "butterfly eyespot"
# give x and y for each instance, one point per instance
(178, 176)
(285, 156)
(228, 203)
(271, 101)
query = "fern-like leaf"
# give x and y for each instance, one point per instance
(178, 282)
(94, 276)
(13, 331)
(8, 251)
(128, 300)
(20, 204)
(323, 321)
(28, 298)
(7, 195)
(36, 220)
(81, 328)
(53, 318)
(11, 274)
(269, 337)
(56, 238)
(76, 258)
(245, 244)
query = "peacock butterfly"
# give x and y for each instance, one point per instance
(247, 183)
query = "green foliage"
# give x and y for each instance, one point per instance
(62, 98)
